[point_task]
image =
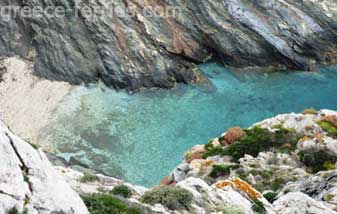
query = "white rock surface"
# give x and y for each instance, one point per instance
(321, 186)
(105, 183)
(208, 198)
(298, 203)
(29, 182)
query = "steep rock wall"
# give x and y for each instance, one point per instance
(139, 51)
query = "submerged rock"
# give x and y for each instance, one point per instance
(135, 51)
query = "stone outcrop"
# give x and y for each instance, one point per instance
(139, 51)
(28, 182)
(275, 180)
(300, 203)
(287, 177)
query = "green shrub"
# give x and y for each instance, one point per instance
(174, 198)
(258, 207)
(212, 150)
(328, 165)
(330, 128)
(88, 177)
(122, 190)
(221, 170)
(231, 210)
(259, 140)
(107, 204)
(328, 197)
(319, 160)
(277, 184)
(265, 174)
(270, 196)
(14, 210)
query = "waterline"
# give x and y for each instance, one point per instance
(142, 137)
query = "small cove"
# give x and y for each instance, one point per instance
(142, 137)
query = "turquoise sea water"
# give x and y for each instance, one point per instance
(142, 137)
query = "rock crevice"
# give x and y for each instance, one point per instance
(29, 183)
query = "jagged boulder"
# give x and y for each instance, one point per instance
(29, 183)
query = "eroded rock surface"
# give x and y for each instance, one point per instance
(140, 51)
(28, 182)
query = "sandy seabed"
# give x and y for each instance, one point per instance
(27, 102)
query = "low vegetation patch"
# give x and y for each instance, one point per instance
(221, 170)
(14, 210)
(258, 207)
(259, 140)
(107, 204)
(319, 160)
(329, 197)
(212, 150)
(329, 127)
(174, 198)
(270, 196)
(89, 177)
(122, 190)
(230, 210)
(277, 183)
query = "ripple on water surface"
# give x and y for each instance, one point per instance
(142, 137)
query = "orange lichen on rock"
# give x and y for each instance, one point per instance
(232, 135)
(241, 185)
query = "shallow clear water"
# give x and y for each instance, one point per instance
(142, 137)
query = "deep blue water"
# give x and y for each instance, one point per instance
(142, 137)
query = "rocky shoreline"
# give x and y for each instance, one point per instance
(285, 164)
(137, 51)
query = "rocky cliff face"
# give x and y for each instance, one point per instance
(28, 182)
(140, 51)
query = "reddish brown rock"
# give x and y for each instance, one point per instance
(232, 135)
(166, 181)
